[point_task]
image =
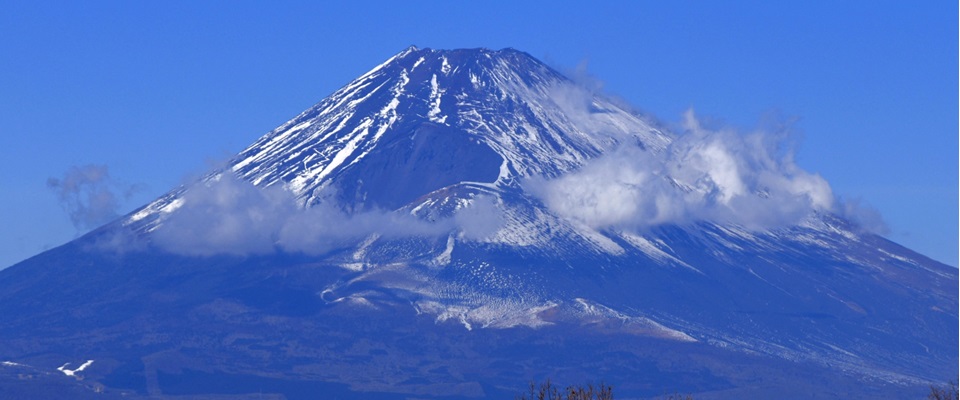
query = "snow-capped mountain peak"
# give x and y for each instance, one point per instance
(512, 116)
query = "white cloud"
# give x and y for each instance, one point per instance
(230, 216)
(713, 175)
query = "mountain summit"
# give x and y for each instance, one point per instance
(478, 105)
(456, 223)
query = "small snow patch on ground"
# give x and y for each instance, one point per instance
(445, 257)
(73, 372)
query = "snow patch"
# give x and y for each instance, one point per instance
(73, 372)
(601, 241)
(417, 64)
(445, 257)
(445, 66)
(898, 258)
(644, 325)
(435, 97)
(354, 266)
(654, 251)
(491, 314)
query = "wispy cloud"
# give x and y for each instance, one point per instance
(862, 214)
(89, 195)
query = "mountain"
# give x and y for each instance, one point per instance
(457, 223)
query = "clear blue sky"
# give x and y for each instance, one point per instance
(157, 90)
